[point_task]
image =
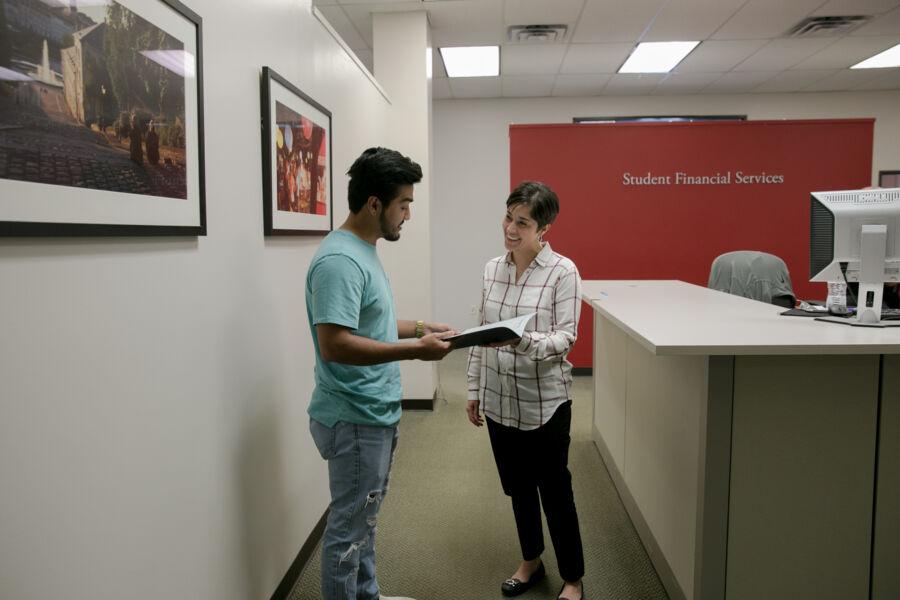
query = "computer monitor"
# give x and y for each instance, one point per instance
(854, 235)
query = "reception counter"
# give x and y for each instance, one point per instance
(757, 455)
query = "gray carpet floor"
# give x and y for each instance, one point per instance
(446, 531)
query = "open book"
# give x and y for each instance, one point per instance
(491, 333)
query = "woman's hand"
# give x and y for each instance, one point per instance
(512, 342)
(472, 412)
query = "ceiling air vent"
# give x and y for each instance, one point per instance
(537, 33)
(827, 26)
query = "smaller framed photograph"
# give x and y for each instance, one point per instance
(296, 158)
(889, 179)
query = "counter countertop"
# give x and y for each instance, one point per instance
(674, 317)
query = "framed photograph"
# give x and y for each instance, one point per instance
(296, 158)
(889, 179)
(101, 118)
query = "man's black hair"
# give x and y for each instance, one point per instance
(380, 172)
(540, 200)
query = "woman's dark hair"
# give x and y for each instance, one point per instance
(540, 200)
(380, 172)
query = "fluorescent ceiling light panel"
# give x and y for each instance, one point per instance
(657, 57)
(882, 60)
(472, 61)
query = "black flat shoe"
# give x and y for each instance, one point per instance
(559, 596)
(514, 587)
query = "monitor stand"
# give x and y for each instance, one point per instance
(854, 322)
(872, 250)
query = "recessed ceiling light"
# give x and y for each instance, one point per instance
(882, 60)
(657, 57)
(472, 61)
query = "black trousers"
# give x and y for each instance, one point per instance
(534, 470)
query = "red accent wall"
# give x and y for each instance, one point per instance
(674, 230)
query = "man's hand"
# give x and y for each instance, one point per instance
(433, 347)
(472, 413)
(437, 327)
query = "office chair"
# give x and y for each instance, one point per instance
(754, 275)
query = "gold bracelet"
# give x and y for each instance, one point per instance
(420, 328)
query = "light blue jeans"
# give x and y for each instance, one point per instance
(359, 465)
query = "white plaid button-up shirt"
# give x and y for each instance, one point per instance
(521, 386)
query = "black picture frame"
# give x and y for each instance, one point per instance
(81, 174)
(889, 179)
(297, 178)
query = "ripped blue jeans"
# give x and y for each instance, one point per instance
(359, 465)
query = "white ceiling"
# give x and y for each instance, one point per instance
(744, 49)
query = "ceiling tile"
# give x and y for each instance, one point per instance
(848, 51)
(360, 13)
(740, 36)
(580, 85)
(759, 19)
(527, 87)
(687, 20)
(381, 3)
(486, 36)
(793, 80)
(716, 55)
(685, 83)
(542, 12)
(738, 83)
(537, 59)
(440, 89)
(344, 27)
(615, 20)
(595, 58)
(887, 24)
(475, 87)
(449, 38)
(890, 80)
(367, 57)
(782, 54)
(842, 80)
(632, 83)
(361, 17)
(468, 23)
(856, 7)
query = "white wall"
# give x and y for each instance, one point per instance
(153, 392)
(400, 67)
(471, 161)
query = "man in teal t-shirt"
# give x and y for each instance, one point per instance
(355, 406)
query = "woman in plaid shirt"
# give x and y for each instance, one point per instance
(524, 387)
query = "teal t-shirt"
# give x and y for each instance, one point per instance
(346, 285)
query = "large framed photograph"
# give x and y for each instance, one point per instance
(101, 118)
(296, 158)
